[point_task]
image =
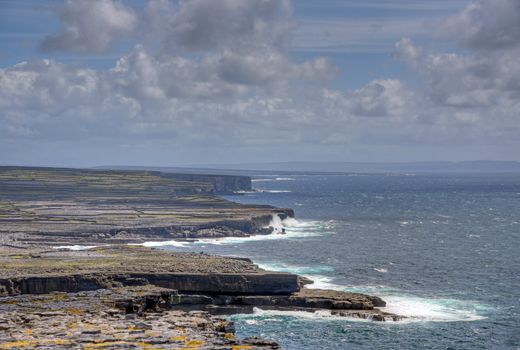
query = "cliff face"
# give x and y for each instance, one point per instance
(194, 281)
(222, 184)
(82, 206)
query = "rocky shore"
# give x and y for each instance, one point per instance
(127, 296)
(46, 206)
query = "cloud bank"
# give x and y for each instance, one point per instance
(208, 78)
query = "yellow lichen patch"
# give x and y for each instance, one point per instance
(241, 347)
(144, 344)
(195, 343)
(28, 331)
(32, 343)
(20, 256)
(178, 338)
(18, 344)
(229, 335)
(106, 344)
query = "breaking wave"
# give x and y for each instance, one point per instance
(273, 191)
(261, 191)
(274, 179)
(414, 308)
(164, 243)
(289, 228)
(300, 270)
(418, 309)
(260, 315)
(78, 247)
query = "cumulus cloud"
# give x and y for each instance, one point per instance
(217, 74)
(91, 25)
(382, 98)
(200, 25)
(486, 25)
(488, 75)
(464, 80)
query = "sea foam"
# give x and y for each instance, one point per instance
(77, 247)
(414, 308)
(164, 243)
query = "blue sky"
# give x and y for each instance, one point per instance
(363, 55)
(166, 83)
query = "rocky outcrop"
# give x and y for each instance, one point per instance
(266, 283)
(316, 298)
(137, 317)
(205, 282)
(269, 283)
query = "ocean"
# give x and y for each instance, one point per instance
(442, 250)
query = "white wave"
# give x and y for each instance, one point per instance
(273, 179)
(273, 191)
(259, 315)
(292, 224)
(418, 309)
(381, 269)
(179, 244)
(423, 309)
(322, 282)
(77, 247)
(289, 228)
(263, 180)
(300, 270)
(262, 191)
(272, 236)
(414, 308)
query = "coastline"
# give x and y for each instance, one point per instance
(47, 214)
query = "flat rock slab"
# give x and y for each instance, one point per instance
(91, 320)
(38, 272)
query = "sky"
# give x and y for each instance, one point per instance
(170, 83)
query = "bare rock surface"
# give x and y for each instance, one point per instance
(118, 295)
(121, 318)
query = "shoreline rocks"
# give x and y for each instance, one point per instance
(200, 281)
(123, 296)
(119, 318)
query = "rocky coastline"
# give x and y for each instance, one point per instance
(118, 295)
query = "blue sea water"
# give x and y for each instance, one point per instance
(440, 249)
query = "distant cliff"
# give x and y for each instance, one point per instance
(66, 182)
(222, 184)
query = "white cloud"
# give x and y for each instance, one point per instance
(465, 80)
(382, 98)
(201, 25)
(486, 24)
(91, 25)
(182, 89)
